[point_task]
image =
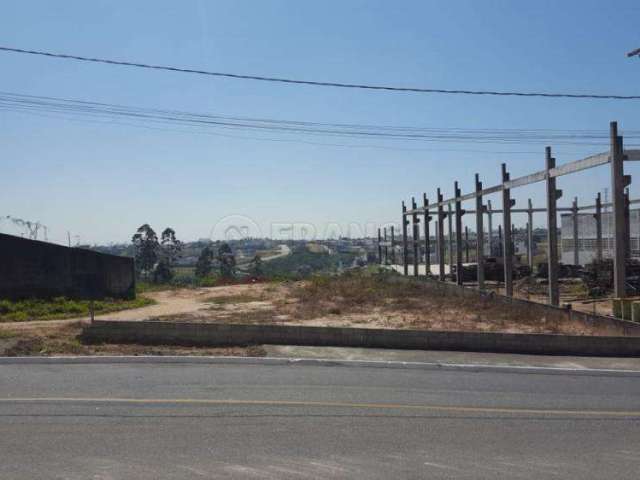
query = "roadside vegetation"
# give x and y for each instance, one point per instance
(62, 307)
(67, 340)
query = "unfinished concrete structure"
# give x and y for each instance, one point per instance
(620, 225)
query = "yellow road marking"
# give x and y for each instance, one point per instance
(297, 403)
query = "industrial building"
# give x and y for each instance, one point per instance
(587, 236)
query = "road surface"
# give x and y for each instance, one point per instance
(182, 421)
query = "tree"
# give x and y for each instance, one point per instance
(162, 273)
(204, 264)
(145, 243)
(171, 246)
(255, 266)
(227, 261)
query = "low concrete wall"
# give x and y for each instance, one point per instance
(614, 326)
(203, 334)
(33, 269)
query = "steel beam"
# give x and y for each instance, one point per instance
(479, 235)
(553, 194)
(507, 249)
(458, 205)
(440, 238)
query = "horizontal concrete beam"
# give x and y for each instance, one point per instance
(203, 334)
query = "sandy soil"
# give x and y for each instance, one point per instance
(278, 304)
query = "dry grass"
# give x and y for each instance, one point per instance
(66, 340)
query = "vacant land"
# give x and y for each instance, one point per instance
(351, 300)
(359, 300)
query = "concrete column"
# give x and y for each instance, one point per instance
(627, 225)
(379, 247)
(405, 248)
(427, 235)
(553, 194)
(530, 235)
(393, 247)
(480, 233)
(574, 216)
(450, 225)
(507, 249)
(618, 183)
(459, 212)
(466, 243)
(499, 248)
(490, 231)
(440, 238)
(386, 248)
(598, 217)
(416, 238)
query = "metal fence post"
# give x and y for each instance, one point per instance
(479, 234)
(530, 235)
(618, 182)
(553, 194)
(416, 238)
(458, 205)
(427, 235)
(405, 253)
(507, 253)
(441, 216)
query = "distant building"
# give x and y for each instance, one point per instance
(587, 236)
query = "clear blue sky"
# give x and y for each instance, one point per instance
(102, 181)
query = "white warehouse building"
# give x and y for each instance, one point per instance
(587, 236)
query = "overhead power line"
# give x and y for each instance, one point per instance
(154, 117)
(320, 83)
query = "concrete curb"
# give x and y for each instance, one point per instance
(314, 362)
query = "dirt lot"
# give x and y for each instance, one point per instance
(374, 301)
(358, 301)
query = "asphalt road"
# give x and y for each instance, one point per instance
(182, 421)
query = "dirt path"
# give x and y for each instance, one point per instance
(188, 301)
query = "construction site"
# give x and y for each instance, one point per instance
(589, 262)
